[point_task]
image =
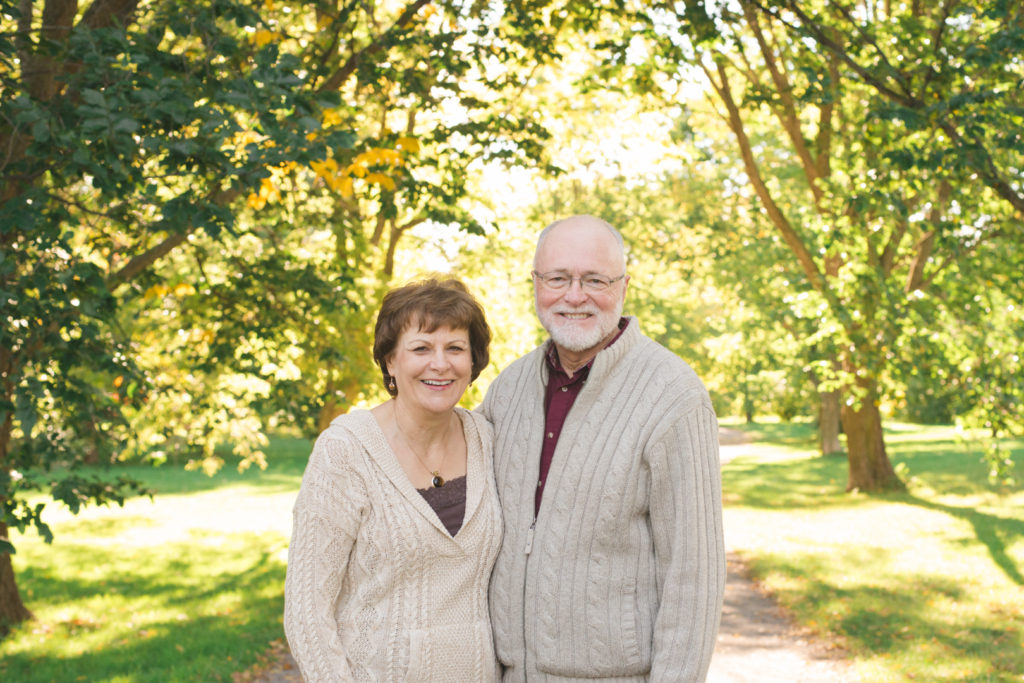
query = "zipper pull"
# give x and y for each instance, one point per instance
(529, 536)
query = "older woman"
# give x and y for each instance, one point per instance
(397, 524)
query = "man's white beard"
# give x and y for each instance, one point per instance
(573, 337)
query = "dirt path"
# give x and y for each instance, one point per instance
(757, 642)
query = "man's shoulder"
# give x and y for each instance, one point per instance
(659, 358)
(666, 374)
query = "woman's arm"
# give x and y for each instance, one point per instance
(326, 519)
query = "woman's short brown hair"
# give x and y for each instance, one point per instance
(430, 304)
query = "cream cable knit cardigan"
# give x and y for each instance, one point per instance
(622, 578)
(377, 589)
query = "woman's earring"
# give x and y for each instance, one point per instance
(391, 385)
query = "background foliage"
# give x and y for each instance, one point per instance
(202, 202)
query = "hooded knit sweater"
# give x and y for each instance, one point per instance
(377, 589)
(621, 577)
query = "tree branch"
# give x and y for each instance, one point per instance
(779, 219)
(825, 41)
(786, 112)
(140, 262)
(336, 79)
(104, 13)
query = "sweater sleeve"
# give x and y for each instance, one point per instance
(325, 522)
(686, 520)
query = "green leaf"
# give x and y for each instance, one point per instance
(126, 126)
(40, 131)
(94, 97)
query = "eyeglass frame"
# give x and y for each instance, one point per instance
(608, 281)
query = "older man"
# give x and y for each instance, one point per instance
(612, 565)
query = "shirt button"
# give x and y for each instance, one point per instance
(540, 483)
(565, 388)
(551, 435)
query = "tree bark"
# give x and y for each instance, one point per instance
(828, 423)
(12, 609)
(870, 469)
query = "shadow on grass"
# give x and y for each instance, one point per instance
(885, 616)
(995, 532)
(792, 483)
(817, 483)
(246, 592)
(147, 656)
(159, 571)
(781, 433)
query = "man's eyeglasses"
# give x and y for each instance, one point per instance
(592, 282)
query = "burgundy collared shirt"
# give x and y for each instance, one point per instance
(560, 394)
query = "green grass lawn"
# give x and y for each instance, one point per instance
(922, 586)
(926, 585)
(186, 587)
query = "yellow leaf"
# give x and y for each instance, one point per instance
(357, 170)
(184, 289)
(262, 37)
(255, 201)
(331, 117)
(411, 145)
(382, 180)
(390, 156)
(368, 158)
(333, 181)
(156, 290)
(324, 168)
(248, 137)
(268, 192)
(323, 22)
(345, 187)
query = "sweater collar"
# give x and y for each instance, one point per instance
(371, 437)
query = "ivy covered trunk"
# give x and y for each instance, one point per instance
(12, 609)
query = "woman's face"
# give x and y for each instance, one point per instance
(431, 369)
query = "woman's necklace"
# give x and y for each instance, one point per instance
(437, 481)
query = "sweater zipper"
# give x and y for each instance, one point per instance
(526, 569)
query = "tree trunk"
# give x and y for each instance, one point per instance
(12, 609)
(330, 410)
(870, 469)
(828, 423)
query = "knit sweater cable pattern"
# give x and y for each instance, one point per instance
(625, 575)
(376, 588)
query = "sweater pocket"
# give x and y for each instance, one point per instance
(463, 652)
(603, 642)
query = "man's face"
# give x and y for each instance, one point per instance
(579, 319)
